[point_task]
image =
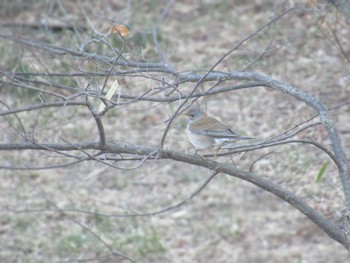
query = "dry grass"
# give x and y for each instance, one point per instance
(230, 221)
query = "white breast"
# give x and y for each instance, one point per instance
(199, 141)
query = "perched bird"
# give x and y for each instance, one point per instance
(205, 132)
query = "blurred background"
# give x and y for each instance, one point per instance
(51, 212)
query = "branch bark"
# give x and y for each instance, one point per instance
(317, 105)
(126, 148)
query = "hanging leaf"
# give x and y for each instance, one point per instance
(114, 88)
(119, 30)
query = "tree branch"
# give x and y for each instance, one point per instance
(259, 181)
(317, 105)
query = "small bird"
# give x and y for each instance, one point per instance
(205, 132)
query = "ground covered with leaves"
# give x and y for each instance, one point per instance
(75, 213)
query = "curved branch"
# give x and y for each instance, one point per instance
(211, 70)
(64, 51)
(259, 181)
(253, 147)
(317, 105)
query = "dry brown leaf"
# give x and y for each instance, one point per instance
(119, 29)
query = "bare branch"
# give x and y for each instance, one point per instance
(65, 51)
(259, 181)
(299, 94)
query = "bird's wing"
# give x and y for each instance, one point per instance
(211, 127)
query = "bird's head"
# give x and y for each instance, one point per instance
(194, 114)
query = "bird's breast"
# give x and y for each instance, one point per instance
(200, 141)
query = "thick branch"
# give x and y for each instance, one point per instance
(322, 111)
(127, 148)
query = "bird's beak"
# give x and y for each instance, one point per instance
(184, 115)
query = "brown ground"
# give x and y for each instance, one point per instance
(230, 220)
